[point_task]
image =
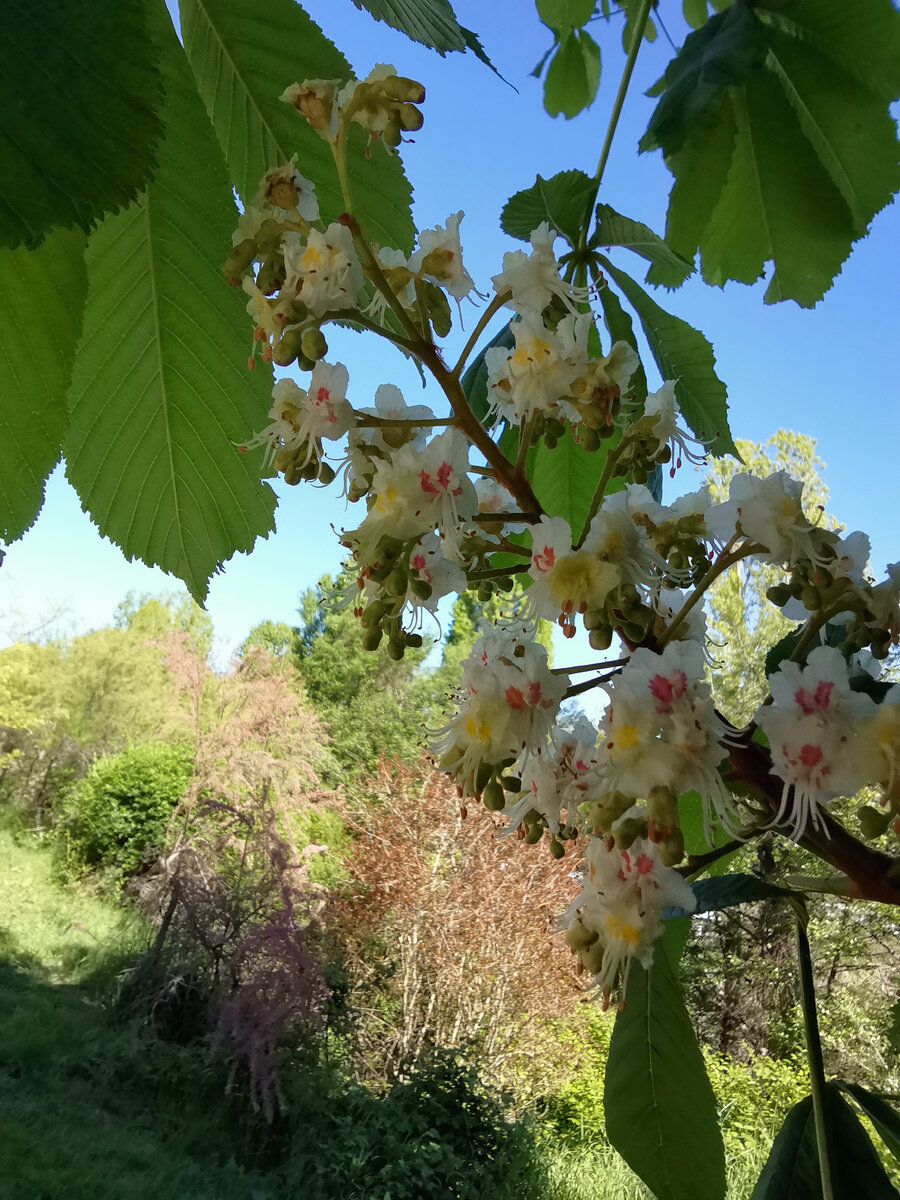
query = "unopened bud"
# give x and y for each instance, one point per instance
(534, 834)
(313, 344)
(326, 473)
(494, 797)
(409, 118)
(399, 87)
(240, 258)
(557, 849)
(421, 589)
(396, 582)
(396, 649)
(287, 347)
(371, 638)
(578, 936)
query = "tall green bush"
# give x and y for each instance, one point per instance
(119, 810)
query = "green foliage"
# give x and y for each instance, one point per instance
(565, 478)
(573, 75)
(63, 935)
(431, 22)
(242, 65)
(440, 1133)
(118, 812)
(276, 637)
(667, 268)
(682, 353)
(729, 890)
(882, 1115)
(80, 113)
(152, 376)
(151, 618)
(660, 1109)
(793, 1165)
(324, 828)
(367, 700)
(775, 123)
(561, 200)
(41, 299)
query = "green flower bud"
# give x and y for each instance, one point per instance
(313, 344)
(421, 589)
(600, 638)
(399, 87)
(671, 849)
(494, 797)
(414, 641)
(326, 473)
(557, 849)
(240, 259)
(396, 649)
(287, 347)
(397, 582)
(271, 274)
(371, 638)
(578, 937)
(409, 118)
(534, 834)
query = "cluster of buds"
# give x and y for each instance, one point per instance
(384, 103)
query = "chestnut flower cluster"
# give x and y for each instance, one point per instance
(444, 508)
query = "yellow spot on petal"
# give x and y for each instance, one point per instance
(624, 931)
(626, 737)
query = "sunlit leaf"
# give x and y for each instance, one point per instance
(682, 353)
(667, 268)
(160, 382)
(242, 69)
(775, 122)
(573, 75)
(41, 304)
(660, 1107)
(562, 201)
(79, 93)
(431, 22)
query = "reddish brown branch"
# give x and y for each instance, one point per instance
(874, 874)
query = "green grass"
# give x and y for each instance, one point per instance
(62, 934)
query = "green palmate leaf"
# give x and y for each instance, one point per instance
(695, 12)
(560, 200)
(160, 382)
(41, 302)
(573, 75)
(792, 1169)
(660, 1107)
(79, 90)
(244, 53)
(80, 121)
(776, 125)
(727, 891)
(729, 48)
(693, 825)
(682, 353)
(882, 1115)
(565, 14)
(474, 380)
(666, 267)
(431, 22)
(564, 479)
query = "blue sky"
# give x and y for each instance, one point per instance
(830, 373)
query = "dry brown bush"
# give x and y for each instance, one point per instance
(448, 933)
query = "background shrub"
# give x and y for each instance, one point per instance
(119, 810)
